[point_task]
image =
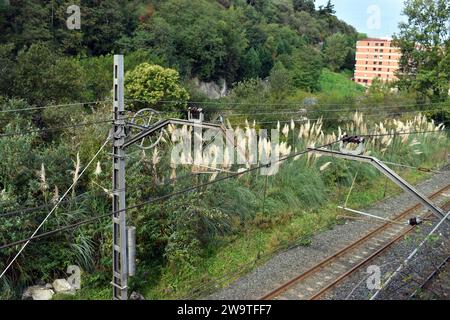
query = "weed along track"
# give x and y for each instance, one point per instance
(315, 282)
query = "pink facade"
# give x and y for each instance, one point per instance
(375, 58)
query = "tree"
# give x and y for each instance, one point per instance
(424, 41)
(280, 81)
(154, 84)
(7, 68)
(306, 67)
(43, 76)
(330, 7)
(304, 5)
(251, 65)
(336, 50)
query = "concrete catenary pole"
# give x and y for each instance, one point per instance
(120, 256)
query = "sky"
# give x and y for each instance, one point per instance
(376, 18)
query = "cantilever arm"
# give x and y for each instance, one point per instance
(162, 123)
(388, 173)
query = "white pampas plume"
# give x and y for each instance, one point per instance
(98, 169)
(326, 165)
(285, 130)
(41, 173)
(417, 152)
(229, 124)
(173, 174)
(76, 173)
(278, 126)
(55, 197)
(292, 125)
(155, 156)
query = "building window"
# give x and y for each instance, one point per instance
(376, 50)
(379, 69)
(380, 62)
(365, 80)
(381, 50)
(366, 68)
(379, 75)
(374, 69)
(376, 43)
(375, 56)
(389, 57)
(382, 44)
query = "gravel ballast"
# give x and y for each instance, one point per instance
(288, 264)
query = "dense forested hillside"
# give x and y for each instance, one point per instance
(232, 40)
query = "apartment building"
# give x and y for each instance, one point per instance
(375, 58)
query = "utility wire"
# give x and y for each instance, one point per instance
(180, 192)
(298, 103)
(276, 112)
(55, 106)
(308, 119)
(165, 197)
(85, 124)
(26, 132)
(54, 208)
(30, 210)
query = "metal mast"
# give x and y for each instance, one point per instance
(120, 257)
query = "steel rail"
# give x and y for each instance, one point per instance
(278, 291)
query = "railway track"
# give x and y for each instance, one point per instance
(318, 280)
(430, 278)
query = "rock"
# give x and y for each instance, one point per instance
(212, 89)
(28, 293)
(48, 286)
(136, 296)
(43, 294)
(37, 293)
(62, 286)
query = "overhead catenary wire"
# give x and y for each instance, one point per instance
(293, 112)
(164, 197)
(55, 207)
(422, 169)
(189, 189)
(411, 255)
